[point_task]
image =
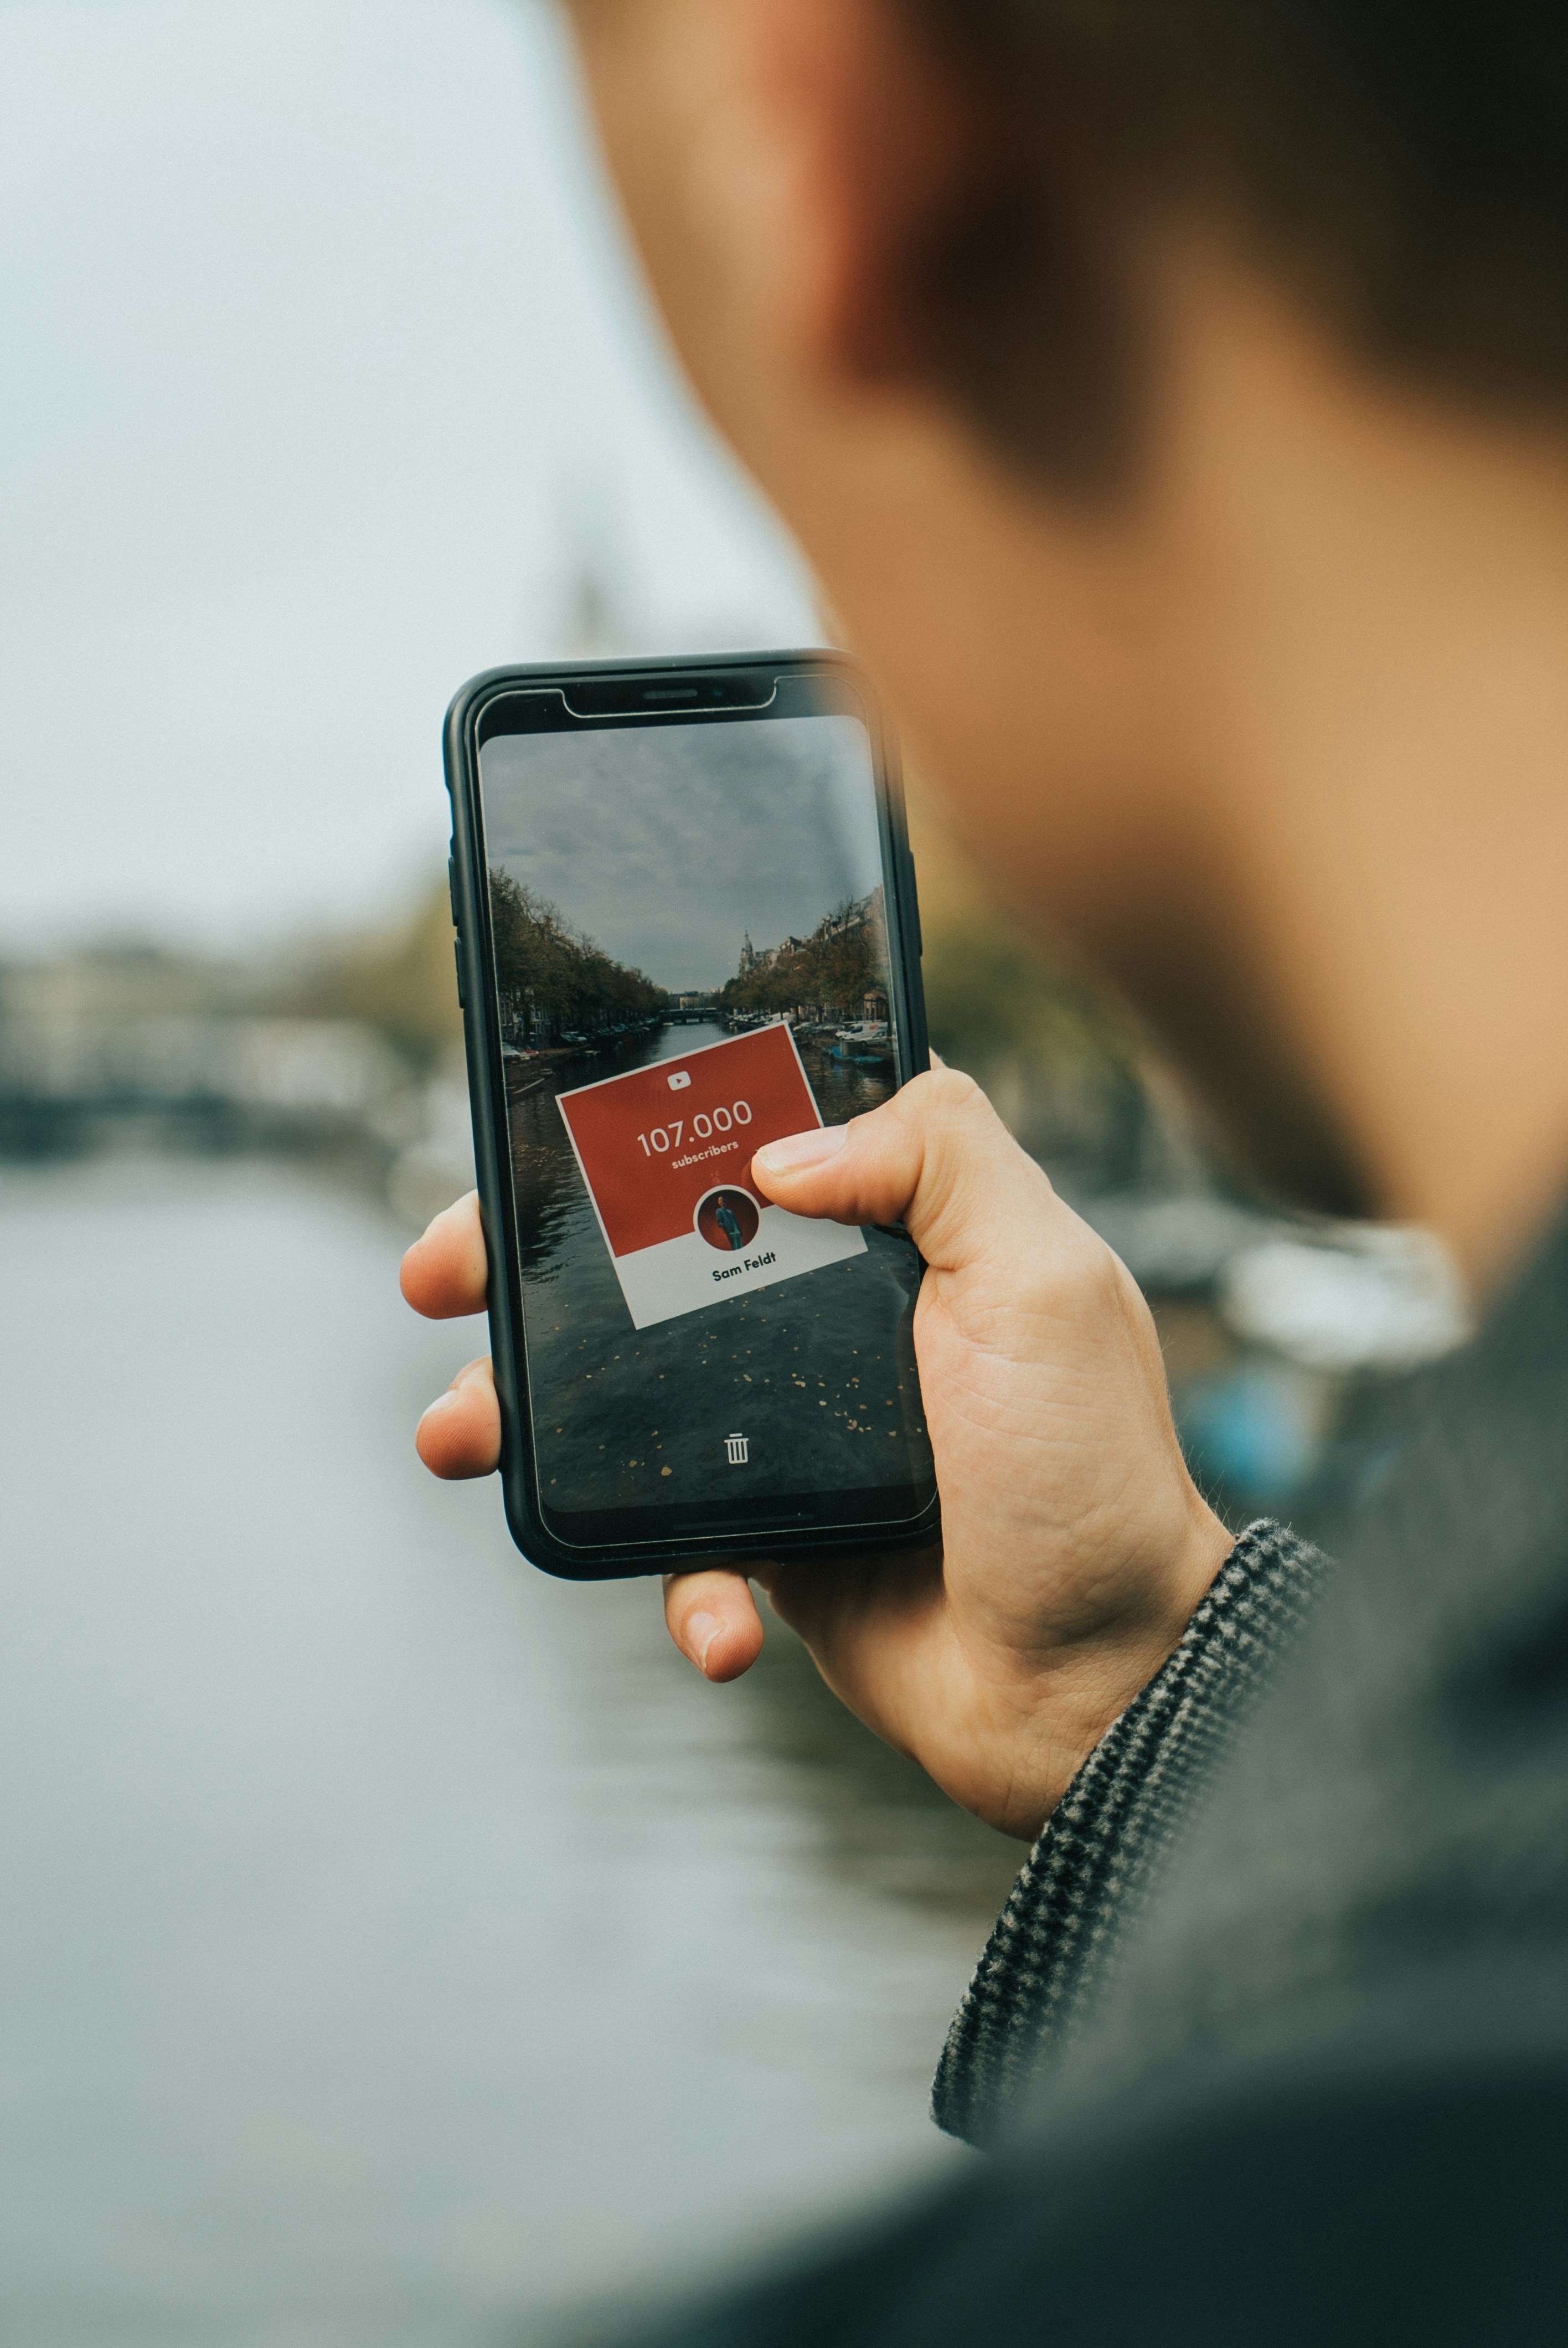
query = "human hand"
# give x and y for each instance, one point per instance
(1074, 1543)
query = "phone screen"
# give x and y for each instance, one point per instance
(691, 958)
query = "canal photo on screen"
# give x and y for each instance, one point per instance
(691, 957)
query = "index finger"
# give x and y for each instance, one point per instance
(443, 1274)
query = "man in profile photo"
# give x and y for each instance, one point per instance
(1172, 397)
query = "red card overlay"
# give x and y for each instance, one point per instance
(649, 1145)
(666, 1153)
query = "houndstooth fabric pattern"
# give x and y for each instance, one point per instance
(1100, 1855)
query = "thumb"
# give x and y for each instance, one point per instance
(937, 1158)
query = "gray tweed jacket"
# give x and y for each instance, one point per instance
(1105, 1848)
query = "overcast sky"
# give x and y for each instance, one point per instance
(321, 372)
(667, 846)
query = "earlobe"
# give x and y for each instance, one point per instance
(858, 139)
(899, 156)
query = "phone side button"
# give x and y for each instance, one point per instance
(462, 992)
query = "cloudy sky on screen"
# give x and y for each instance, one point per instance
(323, 375)
(667, 846)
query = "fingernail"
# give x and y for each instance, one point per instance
(702, 1630)
(797, 1149)
(441, 1402)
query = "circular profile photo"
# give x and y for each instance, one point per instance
(728, 1219)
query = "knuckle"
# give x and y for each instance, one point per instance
(1094, 1277)
(947, 1092)
(1069, 1270)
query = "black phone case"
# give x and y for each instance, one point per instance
(486, 1094)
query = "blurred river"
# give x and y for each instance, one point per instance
(397, 1943)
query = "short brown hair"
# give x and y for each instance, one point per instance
(1404, 162)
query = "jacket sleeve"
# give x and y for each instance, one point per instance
(1102, 1849)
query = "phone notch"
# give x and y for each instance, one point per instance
(671, 695)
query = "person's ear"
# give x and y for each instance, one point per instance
(829, 197)
(946, 232)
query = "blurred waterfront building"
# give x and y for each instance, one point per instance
(300, 1055)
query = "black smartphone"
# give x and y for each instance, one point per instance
(686, 925)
